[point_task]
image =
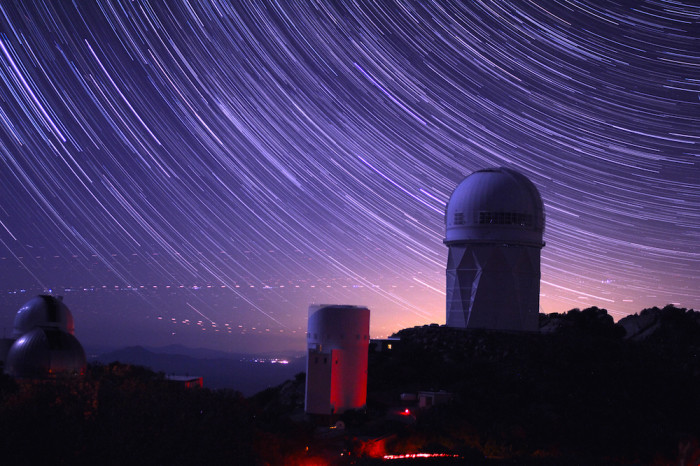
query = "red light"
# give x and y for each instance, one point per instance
(418, 455)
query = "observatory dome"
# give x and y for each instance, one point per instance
(43, 311)
(497, 205)
(45, 352)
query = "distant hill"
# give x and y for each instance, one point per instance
(246, 373)
(206, 353)
(674, 325)
(670, 324)
(584, 388)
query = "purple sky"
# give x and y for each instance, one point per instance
(199, 173)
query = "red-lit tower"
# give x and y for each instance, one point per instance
(336, 367)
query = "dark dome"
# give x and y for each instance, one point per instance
(495, 205)
(45, 352)
(43, 311)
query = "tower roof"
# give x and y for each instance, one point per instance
(495, 205)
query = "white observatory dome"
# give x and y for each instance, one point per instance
(498, 205)
(43, 311)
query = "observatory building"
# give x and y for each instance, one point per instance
(336, 366)
(43, 344)
(494, 224)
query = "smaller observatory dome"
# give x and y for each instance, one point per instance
(495, 205)
(45, 352)
(43, 311)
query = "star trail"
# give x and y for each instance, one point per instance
(252, 158)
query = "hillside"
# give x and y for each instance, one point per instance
(585, 390)
(245, 373)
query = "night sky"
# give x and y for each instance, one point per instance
(198, 173)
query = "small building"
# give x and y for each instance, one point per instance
(186, 380)
(382, 345)
(428, 398)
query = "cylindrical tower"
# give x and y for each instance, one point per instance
(336, 368)
(494, 223)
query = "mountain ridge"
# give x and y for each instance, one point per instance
(246, 373)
